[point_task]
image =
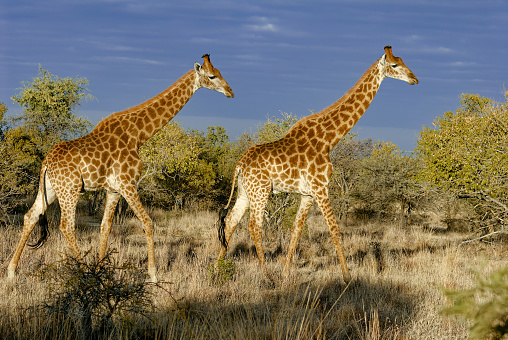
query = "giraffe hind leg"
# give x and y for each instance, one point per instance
(231, 221)
(256, 224)
(68, 219)
(38, 209)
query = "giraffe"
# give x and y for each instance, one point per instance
(108, 158)
(299, 163)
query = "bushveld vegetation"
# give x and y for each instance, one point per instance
(424, 234)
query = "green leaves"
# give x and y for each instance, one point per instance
(48, 103)
(466, 151)
(173, 166)
(485, 305)
(387, 178)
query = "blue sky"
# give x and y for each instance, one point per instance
(277, 55)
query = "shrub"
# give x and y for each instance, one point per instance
(95, 293)
(485, 305)
(222, 272)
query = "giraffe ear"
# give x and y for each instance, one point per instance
(197, 67)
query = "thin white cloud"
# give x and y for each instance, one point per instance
(437, 50)
(129, 59)
(263, 28)
(109, 46)
(412, 38)
(463, 64)
(262, 24)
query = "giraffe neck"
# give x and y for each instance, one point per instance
(335, 121)
(341, 116)
(155, 113)
(144, 120)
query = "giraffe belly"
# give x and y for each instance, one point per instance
(296, 186)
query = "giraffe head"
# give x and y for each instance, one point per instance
(210, 78)
(394, 67)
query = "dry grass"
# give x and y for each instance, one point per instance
(396, 292)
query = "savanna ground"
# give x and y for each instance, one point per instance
(397, 292)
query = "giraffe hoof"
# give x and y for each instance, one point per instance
(11, 274)
(347, 278)
(151, 274)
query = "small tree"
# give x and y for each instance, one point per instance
(47, 118)
(485, 305)
(387, 182)
(10, 188)
(48, 103)
(173, 169)
(3, 123)
(466, 153)
(346, 158)
(94, 293)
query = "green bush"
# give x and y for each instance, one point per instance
(464, 153)
(222, 272)
(485, 305)
(95, 294)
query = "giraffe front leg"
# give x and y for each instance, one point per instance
(326, 209)
(303, 209)
(131, 196)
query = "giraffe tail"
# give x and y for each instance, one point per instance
(222, 226)
(223, 212)
(43, 221)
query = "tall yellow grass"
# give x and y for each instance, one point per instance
(396, 292)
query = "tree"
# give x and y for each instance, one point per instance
(466, 153)
(387, 182)
(48, 104)
(275, 128)
(485, 305)
(346, 158)
(220, 152)
(3, 123)
(9, 187)
(173, 169)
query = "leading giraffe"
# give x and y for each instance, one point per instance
(299, 163)
(108, 158)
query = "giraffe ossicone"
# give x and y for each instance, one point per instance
(299, 163)
(107, 158)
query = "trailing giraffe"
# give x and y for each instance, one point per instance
(107, 158)
(299, 163)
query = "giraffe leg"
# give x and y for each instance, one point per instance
(305, 204)
(256, 226)
(30, 220)
(68, 219)
(131, 196)
(326, 209)
(107, 220)
(234, 217)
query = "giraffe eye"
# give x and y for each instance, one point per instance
(394, 66)
(212, 77)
